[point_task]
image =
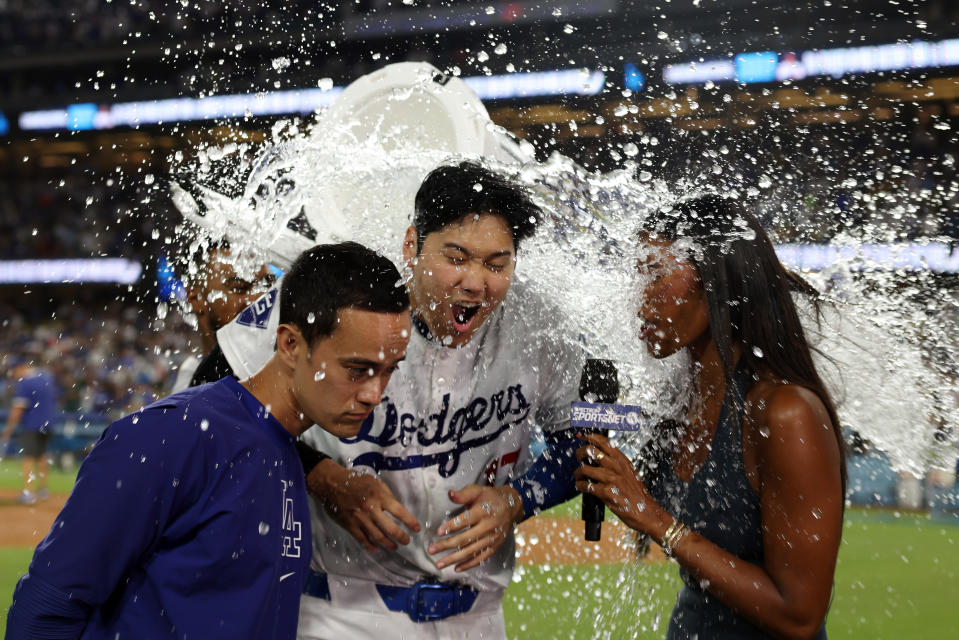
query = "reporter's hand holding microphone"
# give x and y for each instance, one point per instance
(607, 478)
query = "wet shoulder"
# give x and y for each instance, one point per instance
(785, 424)
(189, 417)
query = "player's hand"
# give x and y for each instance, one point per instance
(488, 520)
(611, 477)
(363, 505)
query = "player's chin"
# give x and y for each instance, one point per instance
(347, 425)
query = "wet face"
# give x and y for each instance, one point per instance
(338, 382)
(219, 294)
(674, 312)
(460, 275)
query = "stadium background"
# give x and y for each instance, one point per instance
(862, 147)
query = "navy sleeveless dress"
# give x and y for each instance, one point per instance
(719, 504)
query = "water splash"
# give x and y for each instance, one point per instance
(888, 359)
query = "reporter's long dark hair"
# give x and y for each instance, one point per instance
(748, 295)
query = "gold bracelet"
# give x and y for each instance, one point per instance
(673, 536)
(670, 530)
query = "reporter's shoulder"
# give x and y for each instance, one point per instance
(788, 417)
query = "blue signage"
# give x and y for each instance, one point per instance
(756, 67)
(635, 81)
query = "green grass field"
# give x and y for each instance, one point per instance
(896, 579)
(11, 477)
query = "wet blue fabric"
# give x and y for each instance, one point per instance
(719, 504)
(188, 519)
(549, 481)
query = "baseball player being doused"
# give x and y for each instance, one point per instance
(189, 517)
(413, 519)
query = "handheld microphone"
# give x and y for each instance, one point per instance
(599, 383)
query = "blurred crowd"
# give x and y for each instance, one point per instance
(72, 215)
(106, 361)
(49, 25)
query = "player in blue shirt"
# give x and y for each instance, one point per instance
(189, 518)
(34, 410)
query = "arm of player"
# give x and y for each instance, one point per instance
(549, 481)
(124, 495)
(362, 504)
(492, 512)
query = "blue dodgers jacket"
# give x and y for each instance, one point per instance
(188, 520)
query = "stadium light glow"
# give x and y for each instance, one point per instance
(768, 66)
(938, 257)
(75, 271)
(87, 116)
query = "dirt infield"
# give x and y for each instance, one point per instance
(541, 540)
(559, 540)
(25, 525)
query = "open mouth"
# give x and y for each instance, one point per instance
(463, 314)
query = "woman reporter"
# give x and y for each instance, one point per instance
(746, 490)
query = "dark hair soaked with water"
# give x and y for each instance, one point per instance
(452, 191)
(330, 277)
(748, 295)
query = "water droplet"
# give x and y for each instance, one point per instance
(319, 375)
(264, 528)
(757, 352)
(310, 318)
(204, 424)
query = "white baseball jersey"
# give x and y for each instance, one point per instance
(449, 417)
